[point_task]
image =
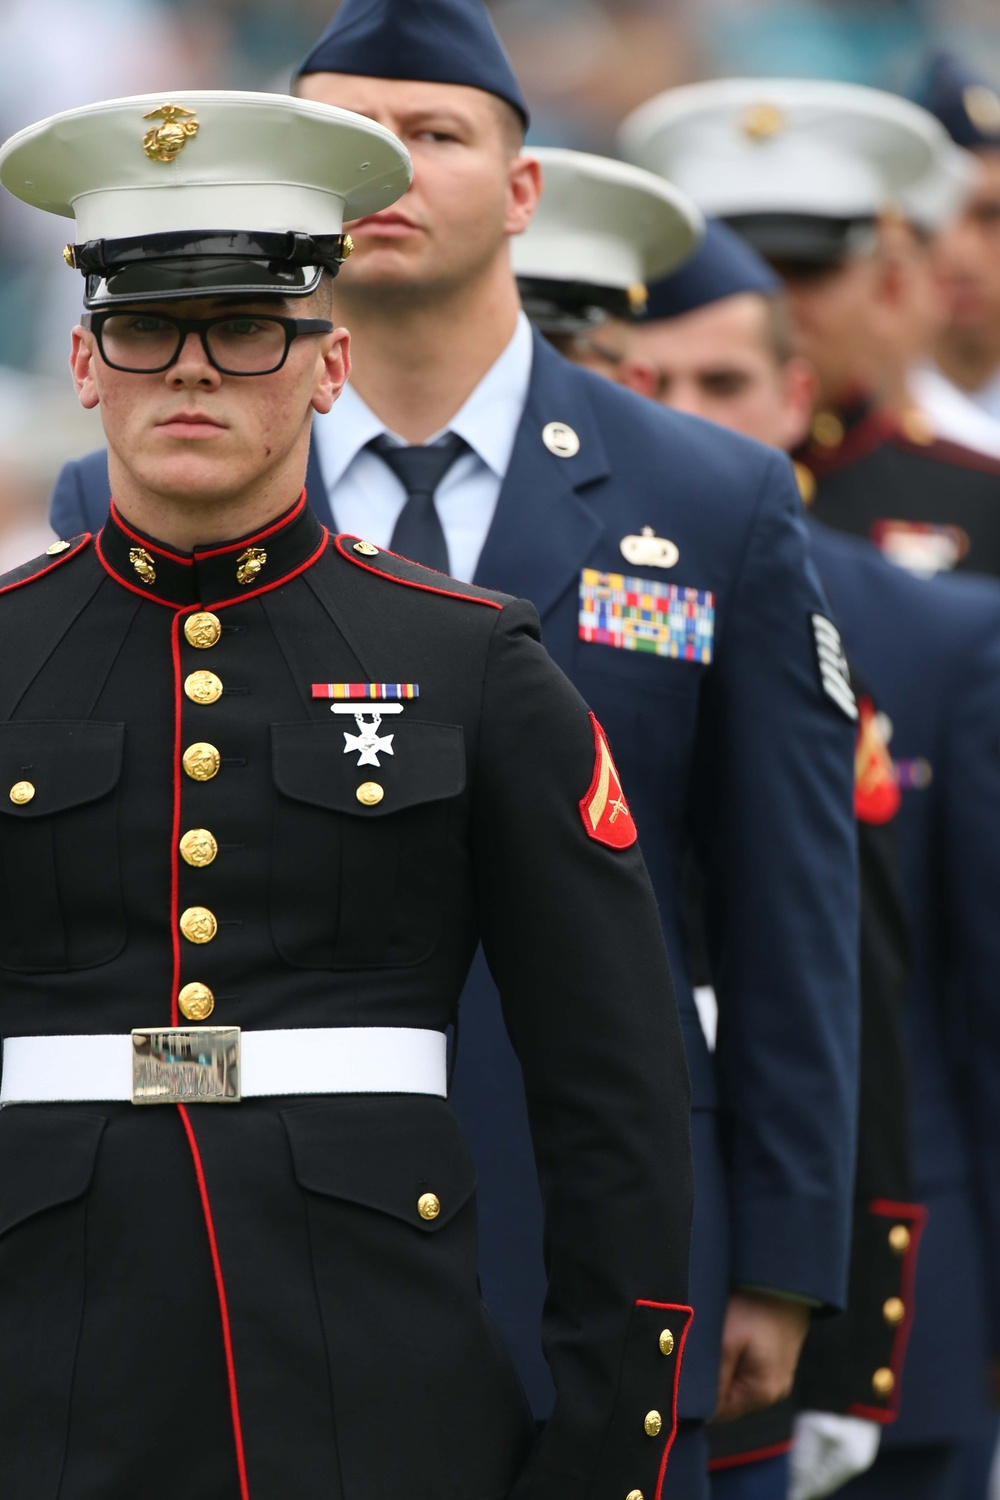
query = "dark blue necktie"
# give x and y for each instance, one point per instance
(418, 533)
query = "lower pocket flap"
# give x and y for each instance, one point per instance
(403, 1157)
(47, 1157)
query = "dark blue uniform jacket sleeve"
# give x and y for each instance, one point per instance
(778, 847)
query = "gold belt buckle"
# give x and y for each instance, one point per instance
(186, 1065)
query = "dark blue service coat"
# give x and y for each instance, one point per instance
(749, 760)
(930, 650)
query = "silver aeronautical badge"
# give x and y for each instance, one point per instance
(368, 742)
(649, 550)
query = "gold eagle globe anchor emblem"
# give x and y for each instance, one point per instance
(165, 142)
(249, 564)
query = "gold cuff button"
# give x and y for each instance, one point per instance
(894, 1310)
(653, 1424)
(196, 1002)
(369, 794)
(428, 1205)
(21, 793)
(883, 1382)
(201, 761)
(198, 847)
(899, 1239)
(203, 687)
(202, 630)
(666, 1342)
(198, 924)
(634, 1495)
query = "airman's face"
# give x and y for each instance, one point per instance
(191, 433)
(471, 190)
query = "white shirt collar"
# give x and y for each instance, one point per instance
(488, 421)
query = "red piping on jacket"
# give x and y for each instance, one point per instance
(949, 452)
(175, 824)
(177, 557)
(220, 1287)
(56, 562)
(175, 828)
(754, 1456)
(265, 588)
(671, 1307)
(260, 536)
(428, 588)
(916, 1215)
(188, 562)
(132, 588)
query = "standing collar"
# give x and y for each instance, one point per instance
(223, 573)
(488, 420)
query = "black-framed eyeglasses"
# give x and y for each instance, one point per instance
(143, 343)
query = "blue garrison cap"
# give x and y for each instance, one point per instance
(966, 103)
(723, 266)
(439, 41)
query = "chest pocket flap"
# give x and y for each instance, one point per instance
(313, 763)
(386, 1154)
(59, 764)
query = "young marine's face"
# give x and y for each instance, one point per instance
(719, 362)
(837, 313)
(191, 433)
(471, 189)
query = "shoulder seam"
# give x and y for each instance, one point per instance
(76, 547)
(410, 583)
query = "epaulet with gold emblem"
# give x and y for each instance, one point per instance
(53, 557)
(413, 575)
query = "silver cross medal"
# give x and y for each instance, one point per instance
(368, 743)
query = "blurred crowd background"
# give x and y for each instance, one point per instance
(583, 63)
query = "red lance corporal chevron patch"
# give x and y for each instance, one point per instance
(604, 811)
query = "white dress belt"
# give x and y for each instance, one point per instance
(328, 1060)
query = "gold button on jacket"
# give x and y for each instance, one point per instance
(201, 761)
(198, 924)
(203, 687)
(196, 1002)
(666, 1342)
(428, 1205)
(883, 1382)
(899, 1239)
(198, 847)
(653, 1424)
(894, 1310)
(370, 794)
(202, 630)
(21, 793)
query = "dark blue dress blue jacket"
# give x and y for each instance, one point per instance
(746, 759)
(930, 651)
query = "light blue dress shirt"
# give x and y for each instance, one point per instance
(365, 495)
